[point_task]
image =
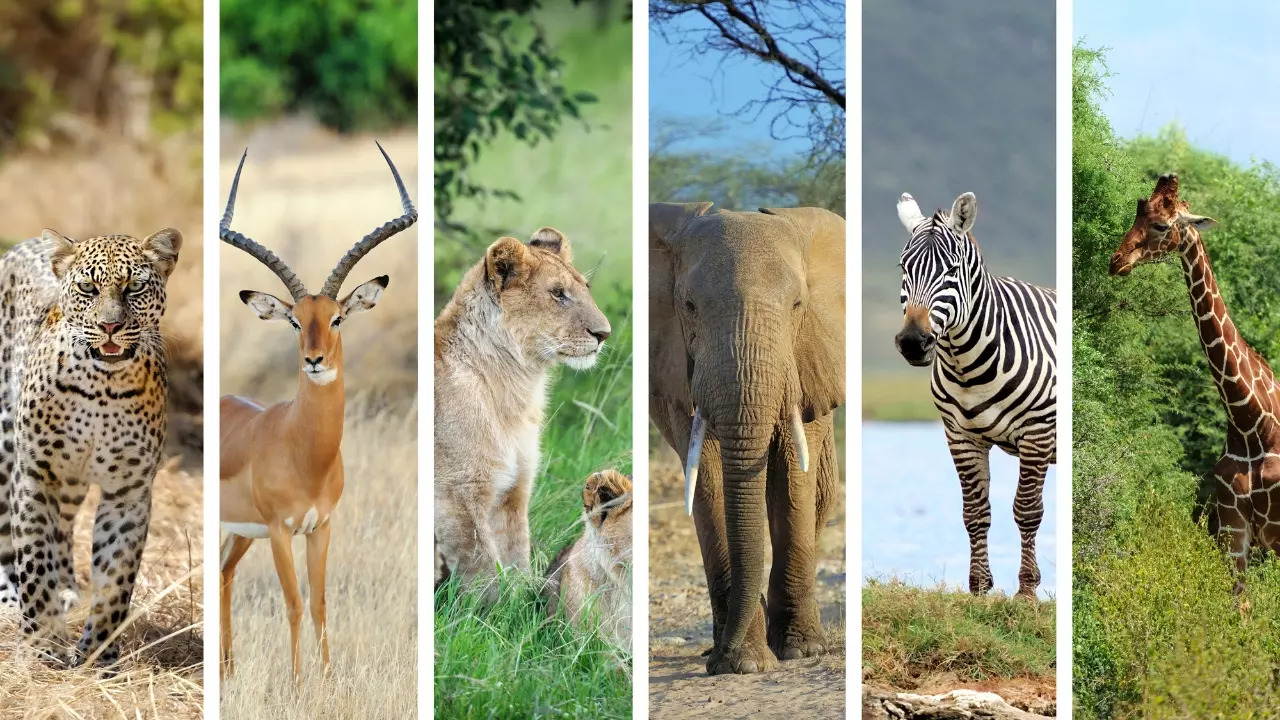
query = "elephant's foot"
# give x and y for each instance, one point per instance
(752, 657)
(799, 640)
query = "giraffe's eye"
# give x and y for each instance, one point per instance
(1159, 227)
(87, 288)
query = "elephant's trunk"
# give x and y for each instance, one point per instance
(744, 449)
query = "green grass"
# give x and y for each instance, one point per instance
(897, 397)
(508, 660)
(910, 633)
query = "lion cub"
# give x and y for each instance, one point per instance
(594, 571)
(517, 313)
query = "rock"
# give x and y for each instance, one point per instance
(955, 705)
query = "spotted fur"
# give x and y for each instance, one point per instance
(83, 388)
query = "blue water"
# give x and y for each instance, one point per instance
(912, 524)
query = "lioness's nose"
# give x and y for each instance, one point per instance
(600, 335)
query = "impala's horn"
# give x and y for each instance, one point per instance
(375, 238)
(247, 244)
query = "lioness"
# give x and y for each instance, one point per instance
(594, 571)
(516, 313)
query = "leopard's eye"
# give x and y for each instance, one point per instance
(87, 288)
(135, 286)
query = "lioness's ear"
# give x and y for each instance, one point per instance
(268, 307)
(505, 262)
(61, 250)
(162, 248)
(551, 240)
(365, 296)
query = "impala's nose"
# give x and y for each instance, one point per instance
(314, 362)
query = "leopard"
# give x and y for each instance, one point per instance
(590, 578)
(520, 311)
(83, 393)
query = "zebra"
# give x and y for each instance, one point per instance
(990, 341)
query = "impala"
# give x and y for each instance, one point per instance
(281, 466)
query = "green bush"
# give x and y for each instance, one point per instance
(353, 63)
(1157, 630)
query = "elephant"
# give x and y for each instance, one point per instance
(746, 338)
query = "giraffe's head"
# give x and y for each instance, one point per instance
(1159, 227)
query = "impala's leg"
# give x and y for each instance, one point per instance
(1028, 510)
(119, 532)
(317, 556)
(233, 549)
(282, 553)
(973, 464)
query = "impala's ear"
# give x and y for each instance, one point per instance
(162, 250)
(506, 262)
(909, 212)
(365, 296)
(963, 212)
(553, 241)
(268, 307)
(61, 250)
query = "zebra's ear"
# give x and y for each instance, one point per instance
(963, 212)
(909, 212)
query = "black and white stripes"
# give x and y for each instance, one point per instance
(990, 341)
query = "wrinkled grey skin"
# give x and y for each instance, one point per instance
(747, 323)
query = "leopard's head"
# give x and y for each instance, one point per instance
(112, 290)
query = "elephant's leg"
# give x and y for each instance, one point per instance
(1028, 510)
(795, 625)
(973, 464)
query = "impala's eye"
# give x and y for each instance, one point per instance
(337, 320)
(87, 288)
(135, 286)
(294, 322)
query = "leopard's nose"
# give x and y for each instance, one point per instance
(110, 328)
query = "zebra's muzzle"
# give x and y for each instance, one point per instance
(915, 346)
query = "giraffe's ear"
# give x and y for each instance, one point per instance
(1199, 222)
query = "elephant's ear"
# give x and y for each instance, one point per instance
(668, 357)
(820, 343)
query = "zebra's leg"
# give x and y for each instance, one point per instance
(973, 463)
(1028, 510)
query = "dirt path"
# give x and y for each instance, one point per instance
(680, 626)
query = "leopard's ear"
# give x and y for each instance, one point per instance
(162, 250)
(62, 250)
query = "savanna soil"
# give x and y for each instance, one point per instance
(1026, 697)
(680, 625)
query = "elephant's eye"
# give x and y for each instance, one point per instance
(796, 304)
(688, 305)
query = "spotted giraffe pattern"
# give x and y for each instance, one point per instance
(1247, 476)
(83, 388)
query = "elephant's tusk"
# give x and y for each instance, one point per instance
(797, 436)
(696, 435)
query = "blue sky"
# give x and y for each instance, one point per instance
(707, 87)
(1213, 68)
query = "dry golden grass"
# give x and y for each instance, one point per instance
(309, 202)
(114, 187)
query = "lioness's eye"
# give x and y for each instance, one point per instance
(87, 288)
(560, 295)
(135, 286)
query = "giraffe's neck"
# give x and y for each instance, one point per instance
(1244, 380)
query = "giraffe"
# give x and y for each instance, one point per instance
(1246, 479)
